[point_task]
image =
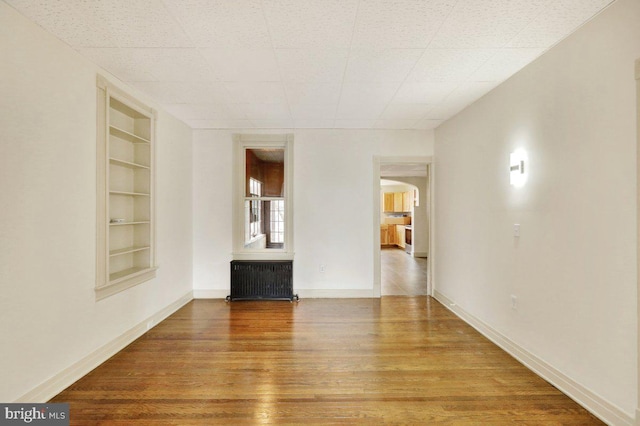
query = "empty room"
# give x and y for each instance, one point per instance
(319, 211)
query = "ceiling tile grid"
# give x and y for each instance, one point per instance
(374, 64)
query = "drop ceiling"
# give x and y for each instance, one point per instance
(242, 64)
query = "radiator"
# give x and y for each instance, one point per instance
(262, 279)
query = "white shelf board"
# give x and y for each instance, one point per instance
(123, 163)
(123, 134)
(127, 250)
(137, 194)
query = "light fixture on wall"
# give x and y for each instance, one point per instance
(518, 168)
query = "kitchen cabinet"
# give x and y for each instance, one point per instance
(400, 238)
(388, 202)
(397, 202)
(407, 201)
(384, 235)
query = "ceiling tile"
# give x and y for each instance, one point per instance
(560, 18)
(257, 111)
(179, 92)
(401, 111)
(312, 93)
(242, 64)
(220, 124)
(399, 23)
(273, 124)
(123, 63)
(313, 124)
(365, 92)
(449, 65)
(142, 64)
(366, 63)
(485, 24)
(313, 111)
(317, 24)
(199, 111)
(317, 65)
(222, 23)
(143, 24)
(505, 63)
(350, 110)
(364, 100)
(425, 93)
(354, 124)
(394, 124)
(256, 92)
(79, 23)
(376, 65)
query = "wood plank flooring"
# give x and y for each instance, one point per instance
(394, 360)
(402, 274)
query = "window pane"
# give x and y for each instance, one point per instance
(264, 171)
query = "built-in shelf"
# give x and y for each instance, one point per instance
(126, 249)
(132, 194)
(117, 276)
(123, 134)
(128, 164)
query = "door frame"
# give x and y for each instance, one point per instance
(377, 162)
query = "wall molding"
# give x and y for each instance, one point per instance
(59, 382)
(210, 294)
(595, 404)
(337, 293)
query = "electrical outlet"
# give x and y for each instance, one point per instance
(514, 302)
(516, 230)
(323, 268)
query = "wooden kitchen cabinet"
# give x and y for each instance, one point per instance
(400, 237)
(388, 202)
(384, 235)
(393, 238)
(407, 201)
(397, 202)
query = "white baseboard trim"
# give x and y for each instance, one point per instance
(597, 405)
(303, 293)
(334, 293)
(59, 382)
(210, 294)
(420, 254)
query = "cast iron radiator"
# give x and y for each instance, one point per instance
(262, 279)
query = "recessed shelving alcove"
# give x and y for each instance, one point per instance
(125, 196)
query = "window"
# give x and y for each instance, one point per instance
(262, 229)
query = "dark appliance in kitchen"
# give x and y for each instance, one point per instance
(407, 238)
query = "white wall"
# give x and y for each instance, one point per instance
(49, 318)
(573, 270)
(333, 204)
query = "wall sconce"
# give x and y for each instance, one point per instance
(518, 168)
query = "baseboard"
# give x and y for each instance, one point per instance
(59, 382)
(210, 294)
(420, 254)
(334, 293)
(303, 293)
(597, 405)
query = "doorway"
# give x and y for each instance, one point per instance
(403, 273)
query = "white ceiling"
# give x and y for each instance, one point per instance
(389, 64)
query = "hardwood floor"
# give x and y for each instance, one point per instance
(394, 360)
(402, 274)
